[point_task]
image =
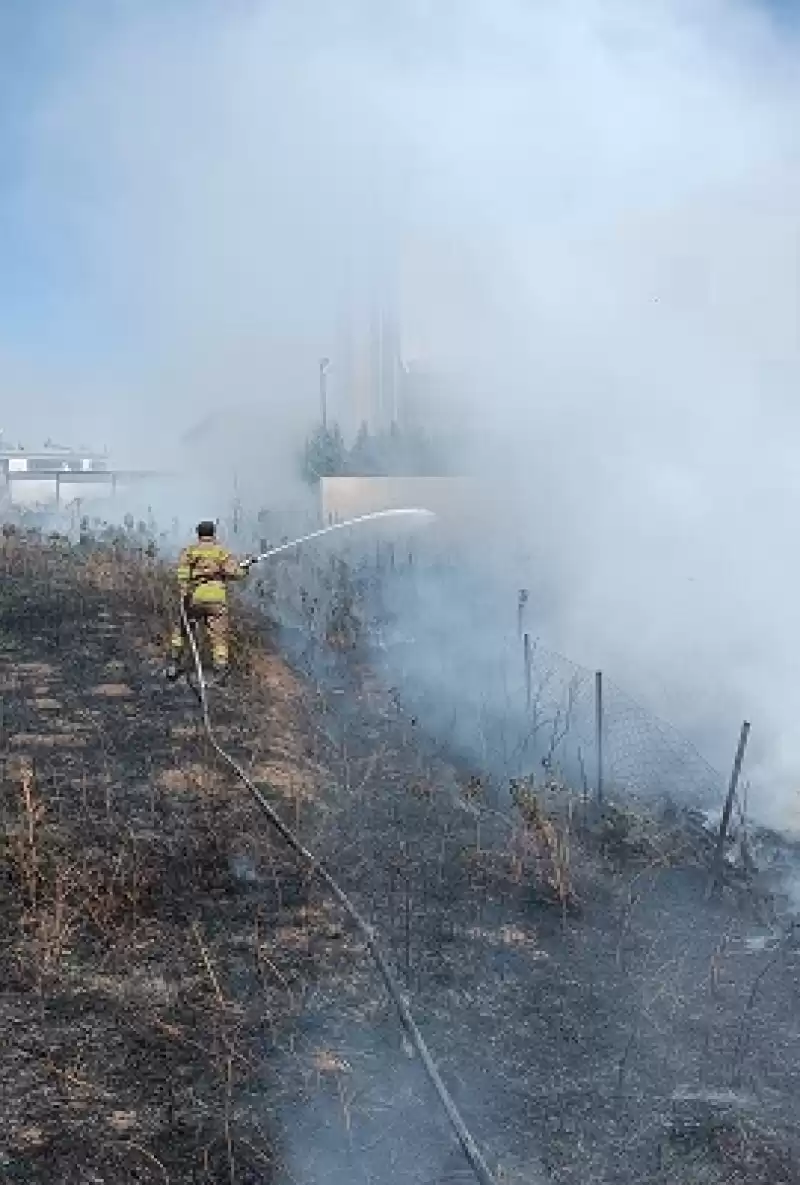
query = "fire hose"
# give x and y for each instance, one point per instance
(316, 868)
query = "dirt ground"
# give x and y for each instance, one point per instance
(180, 1004)
(144, 980)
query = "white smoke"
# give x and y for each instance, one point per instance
(592, 212)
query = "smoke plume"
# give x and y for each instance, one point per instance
(588, 213)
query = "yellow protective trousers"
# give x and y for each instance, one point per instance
(210, 619)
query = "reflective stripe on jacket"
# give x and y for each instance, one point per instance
(204, 569)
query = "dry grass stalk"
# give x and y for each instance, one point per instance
(540, 837)
(209, 966)
(33, 812)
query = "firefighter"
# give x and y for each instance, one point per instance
(204, 571)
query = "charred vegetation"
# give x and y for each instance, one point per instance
(182, 1003)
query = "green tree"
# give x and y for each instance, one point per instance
(324, 454)
(362, 458)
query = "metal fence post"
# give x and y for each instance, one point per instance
(719, 855)
(522, 602)
(598, 705)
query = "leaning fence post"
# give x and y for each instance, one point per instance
(526, 650)
(598, 707)
(719, 855)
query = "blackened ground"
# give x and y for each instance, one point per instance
(144, 980)
(630, 1033)
(181, 1005)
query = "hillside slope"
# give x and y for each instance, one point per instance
(180, 1004)
(142, 983)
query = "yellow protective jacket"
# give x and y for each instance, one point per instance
(204, 569)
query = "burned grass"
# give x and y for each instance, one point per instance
(143, 981)
(183, 1005)
(564, 959)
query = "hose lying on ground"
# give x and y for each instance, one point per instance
(468, 1145)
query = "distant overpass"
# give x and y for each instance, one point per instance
(56, 487)
(48, 476)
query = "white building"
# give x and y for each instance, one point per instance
(54, 476)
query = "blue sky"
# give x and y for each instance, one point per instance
(50, 310)
(29, 275)
(47, 307)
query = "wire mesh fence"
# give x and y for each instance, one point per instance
(471, 669)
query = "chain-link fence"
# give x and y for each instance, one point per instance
(469, 668)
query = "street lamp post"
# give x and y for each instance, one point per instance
(324, 363)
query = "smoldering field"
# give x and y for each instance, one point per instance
(588, 217)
